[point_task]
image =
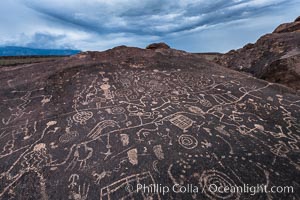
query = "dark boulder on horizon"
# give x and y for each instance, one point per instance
(160, 45)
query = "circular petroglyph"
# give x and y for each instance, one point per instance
(213, 181)
(188, 141)
(82, 117)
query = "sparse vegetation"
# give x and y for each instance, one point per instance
(20, 60)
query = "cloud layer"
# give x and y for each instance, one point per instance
(101, 24)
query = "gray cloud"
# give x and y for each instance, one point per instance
(151, 17)
(192, 25)
(44, 40)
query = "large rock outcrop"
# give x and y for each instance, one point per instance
(274, 57)
(289, 27)
(99, 125)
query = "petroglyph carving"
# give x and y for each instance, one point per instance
(97, 130)
(81, 154)
(117, 110)
(51, 123)
(182, 122)
(38, 157)
(213, 177)
(204, 102)
(158, 152)
(46, 99)
(106, 89)
(221, 130)
(73, 180)
(82, 117)
(124, 93)
(101, 176)
(145, 119)
(195, 109)
(120, 188)
(124, 139)
(280, 149)
(20, 106)
(39, 147)
(68, 136)
(82, 192)
(132, 156)
(188, 141)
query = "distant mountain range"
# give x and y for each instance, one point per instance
(24, 51)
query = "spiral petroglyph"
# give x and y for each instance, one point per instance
(188, 141)
(210, 180)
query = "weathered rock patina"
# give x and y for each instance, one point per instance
(95, 125)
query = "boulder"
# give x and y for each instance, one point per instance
(160, 45)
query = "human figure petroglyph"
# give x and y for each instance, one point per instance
(73, 180)
(106, 90)
(108, 147)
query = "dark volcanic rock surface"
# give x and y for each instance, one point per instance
(274, 57)
(95, 125)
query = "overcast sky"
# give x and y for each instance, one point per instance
(190, 25)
